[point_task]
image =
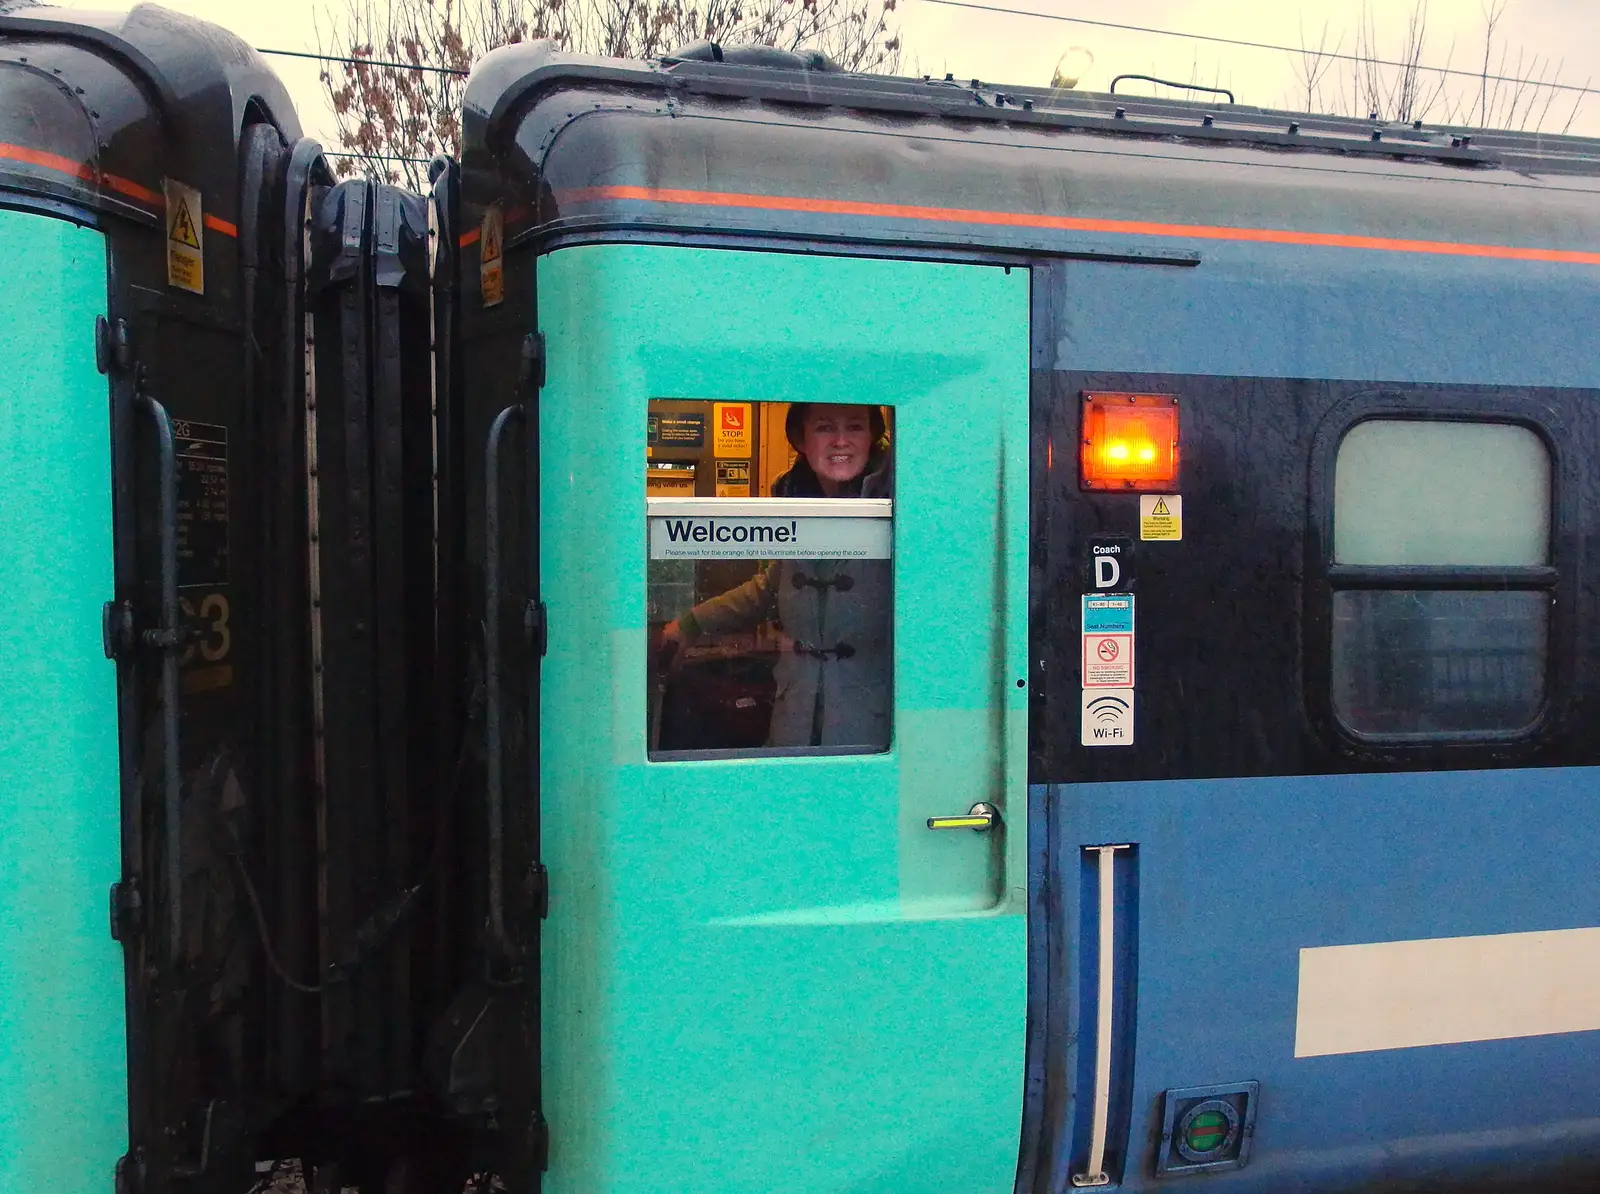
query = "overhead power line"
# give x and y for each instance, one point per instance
(375, 157)
(1259, 45)
(1050, 16)
(436, 70)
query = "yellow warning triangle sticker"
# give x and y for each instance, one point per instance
(1160, 510)
(491, 241)
(183, 231)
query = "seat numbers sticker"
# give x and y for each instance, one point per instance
(1108, 613)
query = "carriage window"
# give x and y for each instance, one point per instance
(1441, 493)
(1442, 594)
(769, 579)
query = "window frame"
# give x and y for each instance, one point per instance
(1558, 577)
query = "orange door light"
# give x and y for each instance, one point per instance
(1130, 441)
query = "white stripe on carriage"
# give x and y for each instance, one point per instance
(1447, 990)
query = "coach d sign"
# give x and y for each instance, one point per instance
(1110, 564)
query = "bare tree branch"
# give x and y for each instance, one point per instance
(393, 120)
(1394, 85)
(1313, 67)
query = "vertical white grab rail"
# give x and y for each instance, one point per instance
(1094, 1173)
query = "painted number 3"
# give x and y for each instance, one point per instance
(216, 640)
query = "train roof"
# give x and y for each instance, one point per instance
(586, 147)
(97, 108)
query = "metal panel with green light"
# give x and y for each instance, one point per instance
(63, 1100)
(768, 974)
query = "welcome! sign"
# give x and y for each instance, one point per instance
(770, 529)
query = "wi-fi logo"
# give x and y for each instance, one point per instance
(1108, 710)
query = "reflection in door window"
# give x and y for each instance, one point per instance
(771, 596)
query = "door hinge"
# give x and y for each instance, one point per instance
(539, 888)
(116, 628)
(536, 628)
(119, 634)
(127, 910)
(541, 1141)
(130, 1173)
(533, 360)
(113, 346)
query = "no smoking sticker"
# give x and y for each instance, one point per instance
(1107, 640)
(1108, 661)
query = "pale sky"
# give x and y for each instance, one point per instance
(1024, 50)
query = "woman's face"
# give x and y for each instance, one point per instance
(837, 443)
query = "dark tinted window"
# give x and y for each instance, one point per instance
(1413, 661)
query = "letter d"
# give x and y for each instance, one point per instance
(1107, 572)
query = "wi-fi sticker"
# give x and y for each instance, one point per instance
(1107, 717)
(1109, 710)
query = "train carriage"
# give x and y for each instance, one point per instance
(782, 630)
(147, 712)
(188, 673)
(1230, 820)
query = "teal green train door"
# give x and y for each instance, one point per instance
(63, 1075)
(762, 972)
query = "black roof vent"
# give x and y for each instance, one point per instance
(767, 56)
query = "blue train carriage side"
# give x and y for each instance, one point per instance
(148, 514)
(1177, 764)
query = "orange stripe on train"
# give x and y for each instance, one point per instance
(126, 187)
(957, 215)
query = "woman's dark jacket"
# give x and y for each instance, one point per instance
(833, 677)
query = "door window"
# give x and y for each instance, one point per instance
(770, 578)
(1441, 578)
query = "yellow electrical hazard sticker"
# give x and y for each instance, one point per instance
(1160, 516)
(734, 434)
(491, 251)
(186, 258)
